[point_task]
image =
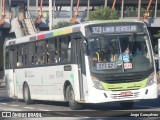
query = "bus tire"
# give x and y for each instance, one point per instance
(71, 99)
(126, 105)
(26, 95)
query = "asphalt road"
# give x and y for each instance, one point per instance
(149, 109)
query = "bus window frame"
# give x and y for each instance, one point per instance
(46, 50)
(71, 37)
(6, 60)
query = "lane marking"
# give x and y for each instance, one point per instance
(4, 103)
(61, 113)
(12, 109)
(14, 105)
(2, 109)
(43, 110)
(29, 108)
(78, 116)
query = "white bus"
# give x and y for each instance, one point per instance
(92, 62)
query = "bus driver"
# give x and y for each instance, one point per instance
(125, 57)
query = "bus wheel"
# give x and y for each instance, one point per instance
(26, 94)
(71, 99)
(126, 105)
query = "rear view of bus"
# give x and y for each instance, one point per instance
(121, 65)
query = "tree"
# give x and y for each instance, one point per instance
(103, 13)
(157, 35)
(100, 13)
(62, 24)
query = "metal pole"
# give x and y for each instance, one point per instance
(36, 7)
(155, 13)
(88, 9)
(0, 8)
(54, 6)
(71, 9)
(50, 14)
(28, 4)
(139, 9)
(10, 2)
(159, 53)
(122, 8)
(105, 4)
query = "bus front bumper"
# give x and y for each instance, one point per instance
(101, 96)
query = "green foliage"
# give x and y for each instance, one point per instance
(157, 35)
(103, 13)
(130, 8)
(155, 49)
(62, 24)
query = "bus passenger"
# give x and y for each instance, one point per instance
(43, 58)
(113, 56)
(96, 57)
(37, 60)
(125, 57)
(48, 61)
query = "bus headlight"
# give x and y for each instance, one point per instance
(97, 83)
(150, 80)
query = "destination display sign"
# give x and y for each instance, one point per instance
(105, 29)
(103, 66)
(115, 28)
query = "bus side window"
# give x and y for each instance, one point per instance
(30, 53)
(7, 59)
(51, 51)
(19, 56)
(40, 52)
(24, 58)
(65, 49)
(69, 52)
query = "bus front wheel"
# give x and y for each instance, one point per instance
(26, 94)
(127, 105)
(71, 99)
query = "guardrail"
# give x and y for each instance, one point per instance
(58, 14)
(66, 14)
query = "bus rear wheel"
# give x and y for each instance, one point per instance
(71, 99)
(26, 94)
(126, 105)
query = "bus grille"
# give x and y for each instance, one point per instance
(119, 96)
(122, 78)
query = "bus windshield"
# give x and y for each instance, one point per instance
(120, 53)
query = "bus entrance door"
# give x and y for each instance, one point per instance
(81, 66)
(11, 78)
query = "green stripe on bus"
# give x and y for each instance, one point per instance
(125, 86)
(17, 82)
(62, 31)
(72, 78)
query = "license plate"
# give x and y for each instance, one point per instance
(127, 65)
(126, 93)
